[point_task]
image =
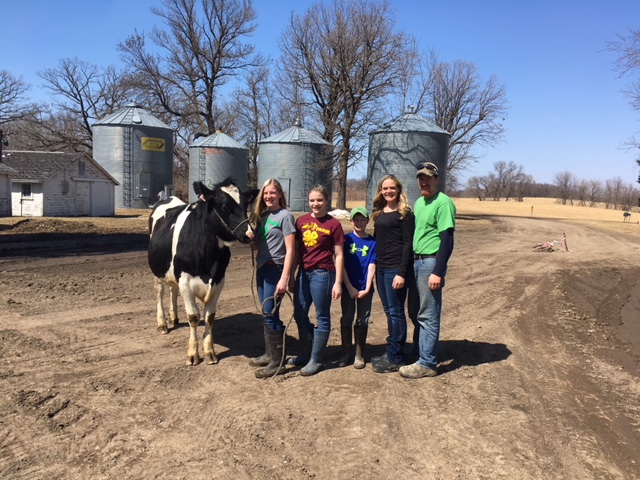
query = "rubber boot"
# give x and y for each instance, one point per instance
(345, 335)
(360, 333)
(275, 346)
(306, 341)
(320, 339)
(262, 360)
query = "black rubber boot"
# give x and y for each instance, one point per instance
(276, 352)
(345, 335)
(306, 341)
(262, 360)
(315, 364)
(360, 333)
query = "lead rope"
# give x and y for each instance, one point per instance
(233, 231)
(253, 278)
(277, 300)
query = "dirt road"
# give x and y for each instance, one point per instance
(540, 372)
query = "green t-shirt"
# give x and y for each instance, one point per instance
(433, 215)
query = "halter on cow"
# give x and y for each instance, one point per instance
(189, 252)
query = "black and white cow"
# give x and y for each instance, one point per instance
(189, 253)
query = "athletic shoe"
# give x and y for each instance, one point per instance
(415, 370)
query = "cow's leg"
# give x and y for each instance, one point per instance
(211, 303)
(209, 349)
(193, 315)
(193, 356)
(173, 308)
(160, 316)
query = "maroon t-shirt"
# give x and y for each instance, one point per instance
(317, 238)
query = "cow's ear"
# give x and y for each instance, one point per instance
(251, 194)
(197, 188)
(201, 189)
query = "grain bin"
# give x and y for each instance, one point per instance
(398, 146)
(298, 159)
(137, 150)
(214, 158)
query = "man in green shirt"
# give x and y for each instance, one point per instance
(435, 223)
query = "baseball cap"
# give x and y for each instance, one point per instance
(427, 168)
(361, 210)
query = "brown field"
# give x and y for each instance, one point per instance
(546, 208)
(539, 374)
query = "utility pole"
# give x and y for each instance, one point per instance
(3, 141)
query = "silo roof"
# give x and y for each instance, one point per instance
(132, 114)
(218, 139)
(410, 122)
(295, 134)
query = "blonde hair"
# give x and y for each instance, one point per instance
(261, 207)
(379, 202)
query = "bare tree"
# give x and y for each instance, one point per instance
(582, 192)
(14, 103)
(258, 109)
(81, 93)
(200, 51)
(614, 188)
(502, 179)
(458, 101)
(479, 187)
(628, 63)
(522, 185)
(179, 78)
(629, 196)
(595, 191)
(341, 60)
(565, 182)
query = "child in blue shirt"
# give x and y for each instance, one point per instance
(357, 286)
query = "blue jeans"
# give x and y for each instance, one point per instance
(313, 286)
(267, 278)
(429, 313)
(393, 306)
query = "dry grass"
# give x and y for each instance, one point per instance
(548, 208)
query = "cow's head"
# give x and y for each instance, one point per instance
(228, 205)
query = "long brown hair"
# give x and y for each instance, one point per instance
(379, 201)
(322, 190)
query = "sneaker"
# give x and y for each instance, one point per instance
(415, 370)
(382, 364)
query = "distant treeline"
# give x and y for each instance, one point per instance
(513, 184)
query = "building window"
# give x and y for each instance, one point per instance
(81, 168)
(26, 190)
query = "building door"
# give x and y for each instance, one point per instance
(286, 188)
(101, 200)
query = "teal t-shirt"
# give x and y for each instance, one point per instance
(433, 215)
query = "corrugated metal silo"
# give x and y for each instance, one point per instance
(137, 150)
(399, 146)
(214, 158)
(298, 159)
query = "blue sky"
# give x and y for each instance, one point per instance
(567, 111)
